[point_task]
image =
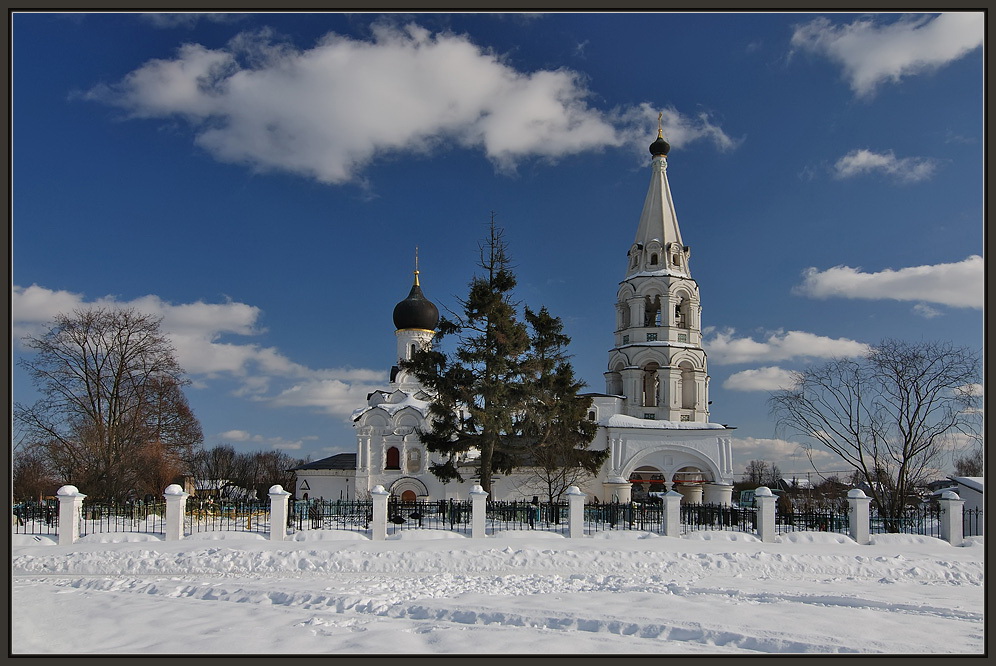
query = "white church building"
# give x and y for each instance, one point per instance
(653, 417)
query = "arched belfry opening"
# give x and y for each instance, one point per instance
(651, 384)
(688, 388)
(652, 310)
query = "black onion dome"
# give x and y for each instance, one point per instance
(416, 311)
(659, 147)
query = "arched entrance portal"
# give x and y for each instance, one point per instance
(409, 489)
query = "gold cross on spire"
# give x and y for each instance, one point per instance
(416, 264)
(660, 125)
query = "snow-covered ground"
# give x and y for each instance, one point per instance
(514, 593)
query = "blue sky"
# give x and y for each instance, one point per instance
(262, 180)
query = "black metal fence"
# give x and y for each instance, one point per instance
(36, 517)
(351, 515)
(972, 522)
(616, 516)
(826, 519)
(212, 516)
(922, 519)
(453, 515)
(702, 517)
(42, 518)
(514, 516)
(129, 516)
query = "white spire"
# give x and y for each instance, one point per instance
(658, 229)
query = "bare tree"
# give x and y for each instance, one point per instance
(970, 464)
(760, 473)
(110, 387)
(236, 472)
(31, 477)
(889, 415)
(267, 468)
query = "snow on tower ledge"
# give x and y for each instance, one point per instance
(624, 421)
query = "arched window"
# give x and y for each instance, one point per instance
(674, 259)
(393, 458)
(653, 259)
(411, 352)
(592, 416)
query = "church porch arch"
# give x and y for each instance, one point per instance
(677, 464)
(408, 489)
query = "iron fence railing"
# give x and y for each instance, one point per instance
(226, 516)
(617, 516)
(42, 518)
(514, 516)
(351, 515)
(36, 517)
(453, 515)
(826, 519)
(703, 517)
(923, 519)
(972, 522)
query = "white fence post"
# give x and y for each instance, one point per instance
(672, 513)
(479, 510)
(379, 523)
(70, 505)
(176, 502)
(765, 514)
(575, 521)
(952, 509)
(857, 508)
(278, 513)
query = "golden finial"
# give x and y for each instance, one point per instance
(660, 125)
(416, 266)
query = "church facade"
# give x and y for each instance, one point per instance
(653, 417)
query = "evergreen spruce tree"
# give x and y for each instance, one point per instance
(555, 427)
(478, 393)
(510, 395)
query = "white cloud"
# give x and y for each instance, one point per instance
(332, 396)
(788, 456)
(236, 435)
(958, 284)
(771, 378)
(329, 111)
(724, 349)
(872, 53)
(861, 161)
(243, 437)
(196, 329)
(187, 19)
(973, 389)
(679, 129)
(925, 311)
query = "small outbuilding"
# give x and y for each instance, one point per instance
(330, 478)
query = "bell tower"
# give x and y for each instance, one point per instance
(658, 363)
